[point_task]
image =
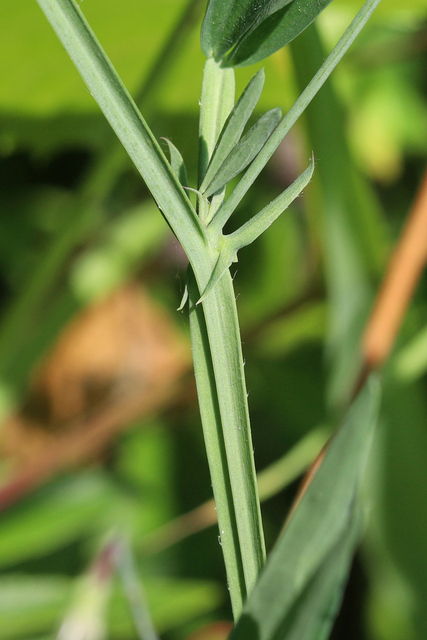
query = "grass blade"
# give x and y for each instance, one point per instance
(318, 525)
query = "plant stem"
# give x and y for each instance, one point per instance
(215, 104)
(228, 428)
(219, 307)
(225, 345)
(215, 449)
(130, 127)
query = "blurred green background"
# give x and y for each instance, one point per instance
(77, 226)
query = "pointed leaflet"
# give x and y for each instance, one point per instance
(225, 259)
(316, 529)
(177, 163)
(262, 220)
(254, 228)
(234, 125)
(253, 30)
(245, 151)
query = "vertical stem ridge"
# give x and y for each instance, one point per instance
(215, 449)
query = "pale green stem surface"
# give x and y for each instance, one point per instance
(225, 344)
(292, 116)
(216, 102)
(232, 424)
(215, 449)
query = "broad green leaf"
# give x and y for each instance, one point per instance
(318, 525)
(234, 125)
(177, 163)
(242, 35)
(228, 22)
(312, 615)
(245, 151)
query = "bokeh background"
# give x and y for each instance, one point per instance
(101, 444)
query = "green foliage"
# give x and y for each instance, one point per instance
(308, 280)
(311, 558)
(242, 33)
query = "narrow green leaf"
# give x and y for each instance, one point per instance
(234, 125)
(103, 82)
(245, 151)
(228, 21)
(262, 220)
(177, 163)
(318, 525)
(293, 114)
(313, 613)
(225, 259)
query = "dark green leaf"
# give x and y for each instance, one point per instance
(312, 615)
(242, 35)
(245, 151)
(317, 529)
(234, 125)
(228, 21)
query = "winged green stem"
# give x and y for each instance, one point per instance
(215, 449)
(225, 345)
(293, 114)
(231, 421)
